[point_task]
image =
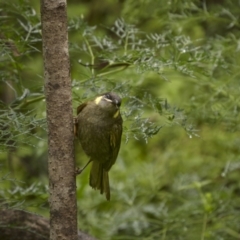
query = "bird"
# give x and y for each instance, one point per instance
(99, 130)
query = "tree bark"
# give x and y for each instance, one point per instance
(21, 225)
(61, 165)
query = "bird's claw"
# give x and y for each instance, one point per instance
(78, 171)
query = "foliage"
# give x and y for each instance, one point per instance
(176, 66)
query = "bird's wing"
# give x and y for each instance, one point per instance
(115, 142)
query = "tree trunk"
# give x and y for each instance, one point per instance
(21, 225)
(61, 166)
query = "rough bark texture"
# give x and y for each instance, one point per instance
(61, 167)
(21, 225)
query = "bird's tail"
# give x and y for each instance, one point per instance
(99, 179)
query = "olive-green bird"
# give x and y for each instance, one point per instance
(99, 129)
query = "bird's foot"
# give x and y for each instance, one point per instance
(78, 170)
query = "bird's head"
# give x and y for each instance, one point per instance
(109, 102)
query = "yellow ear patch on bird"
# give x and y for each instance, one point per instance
(116, 114)
(97, 100)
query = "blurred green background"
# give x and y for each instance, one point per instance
(176, 64)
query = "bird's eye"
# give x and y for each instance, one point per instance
(108, 96)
